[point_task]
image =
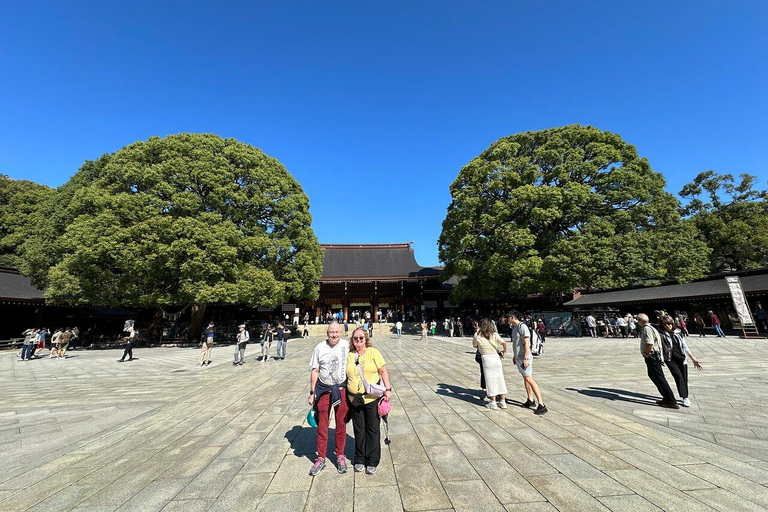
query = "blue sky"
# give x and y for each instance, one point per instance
(375, 106)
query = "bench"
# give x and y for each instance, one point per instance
(11, 343)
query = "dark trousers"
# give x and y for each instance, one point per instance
(656, 374)
(128, 352)
(27, 351)
(365, 423)
(679, 371)
(479, 360)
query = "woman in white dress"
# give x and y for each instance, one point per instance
(492, 348)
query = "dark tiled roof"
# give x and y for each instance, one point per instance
(372, 262)
(16, 287)
(700, 289)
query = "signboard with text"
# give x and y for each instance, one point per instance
(739, 300)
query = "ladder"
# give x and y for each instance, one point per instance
(750, 332)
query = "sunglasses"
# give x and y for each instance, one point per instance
(358, 338)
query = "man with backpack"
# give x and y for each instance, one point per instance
(243, 337)
(653, 352)
(205, 350)
(523, 361)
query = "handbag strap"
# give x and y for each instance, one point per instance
(362, 377)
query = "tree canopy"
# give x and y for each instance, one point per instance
(18, 200)
(732, 219)
(189, 218)
(563, 209)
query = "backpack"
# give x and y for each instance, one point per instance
(536, 346)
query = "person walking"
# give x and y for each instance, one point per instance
(64, 343)
(491, 348)
(266, 342)
(399, 329)
(365, 365)
(622, 326)
(207, 348)
(652, 350)
(676, 361)
(716, 323)
(241, 341)
(128, 344)
(698, 320)
(42, 335)
(28, 345)
(761, 317)
(305, 334)
(423, 330)
(281, 342)
(327, 391)
(681, 324)
(523, 360)
(55, 343)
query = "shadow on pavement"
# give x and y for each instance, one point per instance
(617, 395)
(304, 442)
(472, 396)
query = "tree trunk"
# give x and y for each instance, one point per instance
(196, 322)
(155, 331)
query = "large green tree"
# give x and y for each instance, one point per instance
(567, 208)
(189, 218)
(732, 218)
(18, 201)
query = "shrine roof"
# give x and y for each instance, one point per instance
(15, 287)
(373, 262)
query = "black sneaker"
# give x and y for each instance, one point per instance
(541, 409)
(528, 404)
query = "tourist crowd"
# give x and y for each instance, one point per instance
(37, 340)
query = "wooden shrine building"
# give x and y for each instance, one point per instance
(377, 278)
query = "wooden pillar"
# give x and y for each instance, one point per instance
(345, 303)
(375, 302)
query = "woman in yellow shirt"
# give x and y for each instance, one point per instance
(363, 407)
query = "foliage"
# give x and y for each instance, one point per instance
(18, 200)
(732, 218)
(186, 218)
(562, 209)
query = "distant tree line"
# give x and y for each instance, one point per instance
(197, 219)
(576, 208)
(186, 219)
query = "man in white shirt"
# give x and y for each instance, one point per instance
(592, 326)
(327, 390)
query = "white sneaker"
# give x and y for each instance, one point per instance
(491, 405)
(686, 402)
(503, 404)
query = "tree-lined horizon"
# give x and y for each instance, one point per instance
(576, 208)
(194, 218)
(185, 219)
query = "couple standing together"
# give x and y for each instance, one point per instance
(341, 376)
(491, 348)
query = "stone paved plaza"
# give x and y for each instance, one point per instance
(88, 433)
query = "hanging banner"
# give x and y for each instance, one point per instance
(739, 300)
(288, 308)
